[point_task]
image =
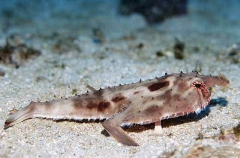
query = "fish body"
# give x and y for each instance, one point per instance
(144, 102)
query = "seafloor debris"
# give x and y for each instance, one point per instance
(140, 45)
(65, 44)
(98, 36)
(236, 131)
(230, 135)
(179, 49)
(154, 11)
(6, 54)
(2, 73)
(16, 52)
(160, 53)
(233, 53)
(199, 150)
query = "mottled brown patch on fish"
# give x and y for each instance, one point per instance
(77, 102)
(118, 98)
(152, 109)
(157, 86)
(166, 97)
(92, 105)
(182, 86)
(103, 105)
(136, 92)
(176, 97)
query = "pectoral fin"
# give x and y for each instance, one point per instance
(118, 133)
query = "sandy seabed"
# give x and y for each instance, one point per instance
(124, 50)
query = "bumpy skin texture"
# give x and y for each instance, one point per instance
(143, 102)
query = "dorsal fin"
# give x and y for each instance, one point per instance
(91, 88)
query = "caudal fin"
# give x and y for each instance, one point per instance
(19, 116)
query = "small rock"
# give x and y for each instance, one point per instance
(233, 53)
(179, 49)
